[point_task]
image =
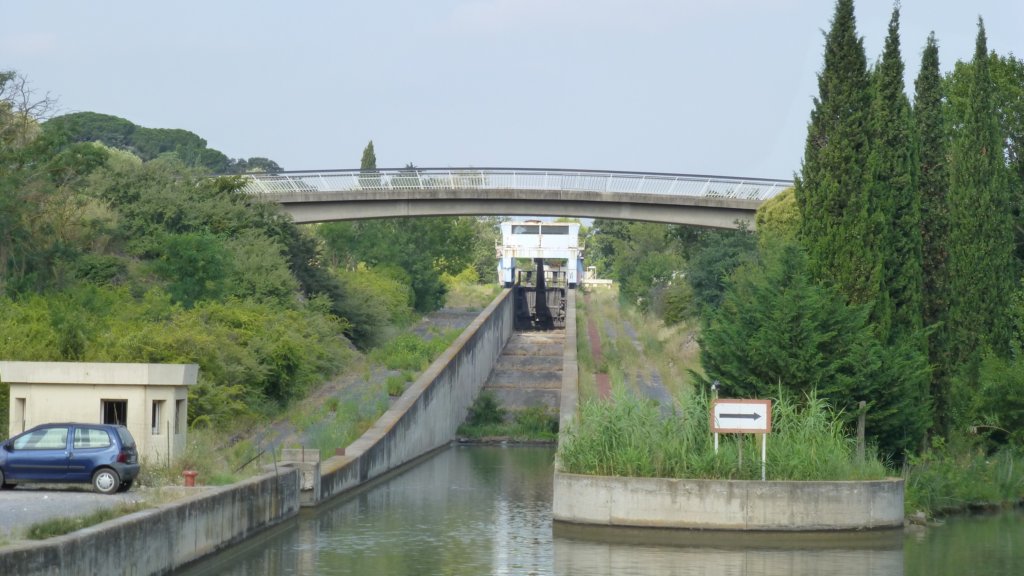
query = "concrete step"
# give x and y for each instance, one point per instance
(519, 379)
(517, 399)
(529, 363)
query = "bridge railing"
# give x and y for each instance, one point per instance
(341, 181)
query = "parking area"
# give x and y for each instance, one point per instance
(29, 504)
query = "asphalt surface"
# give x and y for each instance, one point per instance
(31, 503)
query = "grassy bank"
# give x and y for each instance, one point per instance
(630, 436)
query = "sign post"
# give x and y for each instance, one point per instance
(743, 417)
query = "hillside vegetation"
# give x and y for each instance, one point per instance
(116, 244)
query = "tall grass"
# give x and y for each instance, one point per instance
(629, 436)
(948, 478)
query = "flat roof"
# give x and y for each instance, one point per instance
(105, 373)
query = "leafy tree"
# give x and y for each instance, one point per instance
(830, 189)
(642, 257)
(778, 219)
(42, 227)
(981, 266)
(113, 131)
(196, 266)
(715, 258)
(933, 184)
(258, 268)
(254, 164)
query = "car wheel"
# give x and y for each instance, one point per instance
(125, 486)
(106, 481)
(3, 482)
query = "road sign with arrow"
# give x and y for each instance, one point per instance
(741, 416)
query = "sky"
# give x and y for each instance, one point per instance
(720, 87)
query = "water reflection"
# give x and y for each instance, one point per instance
(487, 510)
(581, 550)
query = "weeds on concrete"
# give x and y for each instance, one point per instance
(59, 526)
(487, 420)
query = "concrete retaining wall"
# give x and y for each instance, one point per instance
(727, 504)
(159, 540)
(427, 415)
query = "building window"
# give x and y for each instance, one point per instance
(19, 416)
(179, 416)
(158, 410)
(114, 411)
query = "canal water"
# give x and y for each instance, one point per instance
(487, 510)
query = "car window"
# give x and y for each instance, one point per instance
(126, 437)
(43, 439)
(91, 438)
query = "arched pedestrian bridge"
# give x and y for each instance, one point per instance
(328, 195)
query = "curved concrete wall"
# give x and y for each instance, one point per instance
(159, 540)
(427, 415)
(728, 504)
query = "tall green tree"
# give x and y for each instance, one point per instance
(982, 270)
(893, 197)
(369, 159)
(830, 190)
(894, 206)
(933, 186)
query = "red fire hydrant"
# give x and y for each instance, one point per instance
(190, 477)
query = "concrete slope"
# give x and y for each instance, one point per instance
(529, 371)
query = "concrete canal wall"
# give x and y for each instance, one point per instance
(727, 504)
(159, 540)
(427, 415)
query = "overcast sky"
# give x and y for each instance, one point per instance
(719, 87)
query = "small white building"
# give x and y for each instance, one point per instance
(534, 239)
(151, 400)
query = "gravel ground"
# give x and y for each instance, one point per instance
(31, 503)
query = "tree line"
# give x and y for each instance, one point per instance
(890, 273)
(118, 244)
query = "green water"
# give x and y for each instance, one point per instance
(487, 510)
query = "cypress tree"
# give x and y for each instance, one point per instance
(830, 189)
(369, 160)
(892, 196)
(981, 264)
(933, 184)
(368, 175)
(894, 208)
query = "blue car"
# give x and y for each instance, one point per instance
(101, 454)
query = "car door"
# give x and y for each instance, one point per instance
(40, 455)
(90, 447)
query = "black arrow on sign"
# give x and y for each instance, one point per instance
(754, 416)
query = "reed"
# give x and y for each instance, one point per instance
(629, 436)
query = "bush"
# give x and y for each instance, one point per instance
(485, 410)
